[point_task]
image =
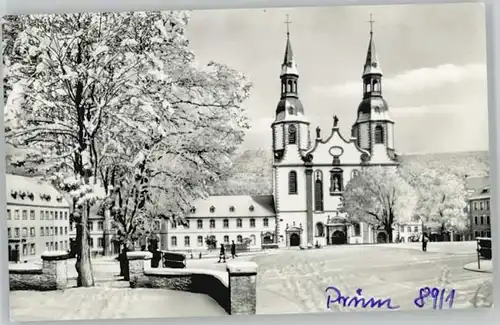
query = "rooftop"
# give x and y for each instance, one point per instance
(32, 191)
(234, 206)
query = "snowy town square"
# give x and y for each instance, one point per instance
(198, 163)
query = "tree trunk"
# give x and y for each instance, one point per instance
(388, 230)
(83, 262)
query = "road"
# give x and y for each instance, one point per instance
(295, 281)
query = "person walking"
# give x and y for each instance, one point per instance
(222, 254)
(233, 250)
(425, 239)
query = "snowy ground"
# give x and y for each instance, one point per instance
(289, 281)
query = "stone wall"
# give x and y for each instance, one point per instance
(235, 291)
(51, 276)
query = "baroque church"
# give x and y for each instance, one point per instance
(310, 171)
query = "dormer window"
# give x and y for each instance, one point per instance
(192, 210)
(31, 196)
(13, 194)
(212, 209)
(231, 209)
(251, 208)
(486, 190)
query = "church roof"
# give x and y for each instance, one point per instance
(32, 191)
(234, 206)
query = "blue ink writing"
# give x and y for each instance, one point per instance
(335, 297)
(438, 296)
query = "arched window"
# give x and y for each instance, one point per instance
(336, 181)
(199, 223)
(318, 191)
(379, 134)
(252, 223)
(239, 239)
(292, 182)
(292, 134)
(290, 86)
(212, 223)
(226, 223)
(376, 85)
(320, 229)
(239, 223)
(173, 241)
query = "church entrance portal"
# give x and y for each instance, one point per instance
(294, 240)
(381, 238)
(338, 238)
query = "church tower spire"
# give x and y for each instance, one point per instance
(374, 129)
(289, 74)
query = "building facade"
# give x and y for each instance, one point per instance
(310, 174)
(37, 218)
(238, 218)
(480, 213)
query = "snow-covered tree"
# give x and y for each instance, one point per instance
(379, 196)
(93, 84)
(442, 197)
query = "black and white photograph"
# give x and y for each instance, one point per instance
(196, 163)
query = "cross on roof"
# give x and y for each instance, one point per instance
(371, 21)
(288, 22)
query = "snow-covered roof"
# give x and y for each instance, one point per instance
(234, 206)
(32, 191)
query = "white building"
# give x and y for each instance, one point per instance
(37, 218)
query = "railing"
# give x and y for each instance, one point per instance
(484, 250)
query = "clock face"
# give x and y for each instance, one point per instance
(374, 64)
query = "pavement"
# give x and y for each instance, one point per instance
(485, 266)
(288, 281)
(295, 282)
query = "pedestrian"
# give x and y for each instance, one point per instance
(222, 254)
(233, 250)
(425, 239)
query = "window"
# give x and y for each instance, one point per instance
(16, 214)
(51, 245)
(25, 232)
(212, 209)
(9, 216)
(292, 134)
(212, 223)
(9, 233)
(192, 210)
(488, 234)
(402, 229)
(41, 231)
(318, 191)
(173, 241)
(475, 205)
(231, 209)
(415, 229)
(487, 204)
(56, 232)
(32, 232)
(25, 249)
(239, 223)
(70, 226)
(16, 232)
(100, 242)
(57, 246)
(482, 220)
(252, 223)
(200, 240)
(56, 214)
(226, 223)
(251, 208)
(61, 245)
(186, 224)
(239, 239)
(408, 229)
(199, 223)
(174, 224)
(32, 249)
(65, 215)
(252, 239)
(379, 134)
(320, 229)
(100, 225)
(66, 244)
(42, 215)
(475, 220)
(226, 239)
(32, 214)
(292, 182)
(487, 220)
(60, 230)
(266, 222)
(51, 215)
(187, 242)
(65, 230)
(51, 231)
(91, 226)
(91, 242)
(47, 246)
(336, 181)
(357, 229)
(25, 215)
(481, 205)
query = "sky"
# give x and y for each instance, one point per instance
(433, 58)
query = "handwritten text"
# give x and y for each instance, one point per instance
(336, 297)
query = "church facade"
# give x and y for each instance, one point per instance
(311, 169)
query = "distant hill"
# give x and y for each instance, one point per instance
(252, 170)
